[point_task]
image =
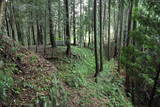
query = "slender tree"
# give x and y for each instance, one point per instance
(17, 24)
(7, 22)
(104, 15)
(95, 39)
(129, 21)
(52, 36)
(68, 51)
(120, 32)
(45, 31)
(89, 23)
(109, 14)
(11, 21)
(101, 37)
(127, 81)
(2, 4)
(116, 29)
(59, 18)
(81, 26)
(74, 22)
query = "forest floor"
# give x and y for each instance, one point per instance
(24, 75)
(58, 81)
(77, 73)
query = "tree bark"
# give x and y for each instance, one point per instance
(127, 81)
(95, 40)
(109, 14)
(81, 27)
(17, 25)
(52, 36)
(101, 37)
(68, 51)
(7, 22)
(116, 32)
(2, 6)
(129, 21)
(74, 24)
(59, 18)
(120, 33)
(45, 32)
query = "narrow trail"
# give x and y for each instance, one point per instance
(47, 53)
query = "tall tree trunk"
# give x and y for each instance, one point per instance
(12, 29)
(125, 28)
(133, 58)
(121, 26)
(129, 21)
(40, 35)
(101, 37)
(45, 32)
(32, 28)
(68, 51)
(52, 36)
(2, 6)
(109, 14)
(95, 40)
(116, 31)
(89, 37)
(38, 32)
(89, 23)
(17, 25)
(81, 24)
(7, 22)
(127, 81)
(120, 33)
(74, 23)
(19, 34)
(33, 35)
(28, 37)
(59, 18)
(104, 15)
(11, 21)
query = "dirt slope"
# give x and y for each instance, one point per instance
(36, 73)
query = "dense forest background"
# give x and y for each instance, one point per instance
(105, 50)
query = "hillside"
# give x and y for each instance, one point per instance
(80, 53)
(27, 79)
(25, 76)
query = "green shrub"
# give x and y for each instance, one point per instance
(14, 49)
(20, 56)
(76, 80)
(58, 95)
(6, 83)
(7, 70)
(33, 59)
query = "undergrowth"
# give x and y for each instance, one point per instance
(7, 69)
(77, 72)
(78, 86)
